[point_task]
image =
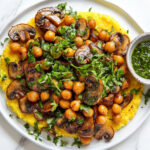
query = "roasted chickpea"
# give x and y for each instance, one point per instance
(88, 42)
(66, 94)
(101, 119)
(86, 141)
(64, 104)
(37, 51)
(119, 59)
(58, 39)
(102, 109)
(92, 23)
(68, 85)
(70, 114)
(15, 47)
(103, 35)
(69, 20)
(23, 53)
(117, 118)
(124, 68)
(69, 52)
(90, 113)
(110, 47)
(78, 41)
(28, 43)
(118, 98)
(116, 109)
(33, 96)
(44, 96)
(78, 87)
(125, 84)
(75, 105)
(49, 36)
(56, 98)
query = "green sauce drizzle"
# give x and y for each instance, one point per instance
(141, 59)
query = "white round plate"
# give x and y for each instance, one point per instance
(126, 22)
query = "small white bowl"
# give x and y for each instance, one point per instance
(134, 43)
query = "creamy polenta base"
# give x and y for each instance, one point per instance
(103, 22)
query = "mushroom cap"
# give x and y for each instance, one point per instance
(25, 105)
(83, 55)
(94, 89)
(14, 70)
(93, 46)
(32, 76)
(21, 32)
(105, 131)
(82, 28)
(108, 101)
(48, 18)
(122, 42)
(87, 129)
(94, 35)
(16, 89)
(126, 100)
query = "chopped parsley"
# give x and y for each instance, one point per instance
(45, 46)
(85, 108)
(62, 6)
(55, 139)
(41, 105)
(7, 60)
(38, 67)
(4, 77)
(90, 9)
(11, 115)
(135, 91)
(80, 121)
(36, 132)
(77, 142)
(63, 143)
(51, 122)
(31, 83)
(5, 40)
(48, 138)
(54, 106)
(20, 76)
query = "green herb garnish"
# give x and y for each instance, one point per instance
(63, 143)
(85, 108)
(90, 9)
(135, 91)
(77, 142)
(4, 77)
(7, 60)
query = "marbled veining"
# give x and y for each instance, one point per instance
(12, 140)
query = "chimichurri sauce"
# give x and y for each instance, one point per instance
(141, 59)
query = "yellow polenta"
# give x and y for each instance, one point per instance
(103, 22)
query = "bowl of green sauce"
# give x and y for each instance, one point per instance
(138, 58)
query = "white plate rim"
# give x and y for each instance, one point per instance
(7, 118)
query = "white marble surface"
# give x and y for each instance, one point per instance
(11, 140)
